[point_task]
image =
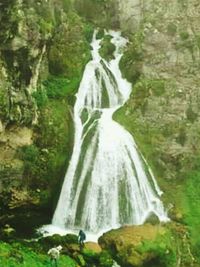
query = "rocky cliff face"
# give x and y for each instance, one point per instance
(44, 47)
(162, 62)
(165, 54)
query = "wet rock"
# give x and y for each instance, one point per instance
(152, 219)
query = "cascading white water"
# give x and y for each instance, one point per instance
(108, 182)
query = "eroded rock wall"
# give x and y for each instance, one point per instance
(44, 46)
(163, 113)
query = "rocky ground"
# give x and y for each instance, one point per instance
(165, 245)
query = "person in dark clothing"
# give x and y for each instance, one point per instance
(81, 238)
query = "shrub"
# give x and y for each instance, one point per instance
(131, 61)
(88, 32)
(161, 252)
(59, 87)
(29, 153)
(40, 97)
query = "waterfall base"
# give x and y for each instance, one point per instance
(50, 229)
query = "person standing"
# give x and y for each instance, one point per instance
(81, 238)
(54, 254)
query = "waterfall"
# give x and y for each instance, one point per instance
(108, 182)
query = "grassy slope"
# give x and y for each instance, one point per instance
(17, 255)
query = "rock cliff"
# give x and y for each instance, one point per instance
(44, 47)
(162, 62)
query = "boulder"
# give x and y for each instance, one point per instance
(134, 246)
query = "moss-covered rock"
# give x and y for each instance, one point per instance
(70, 39)
(101, 13)
(147, 245)
(107, 48)
(131, 61)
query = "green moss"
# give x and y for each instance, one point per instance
(56, 239)
(184, 35)
(107, 48)
(4, 105)
(105, 260)
(100, 12)
(145, 88)
(29, 153)
(162, 251)
(70, 49)
(191, 202)
(131, 61)
(100, 33)
(88, 32)
(171, 29)
(60, 87)
(18, 255)
(40, 97)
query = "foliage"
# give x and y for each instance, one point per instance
(3, 103)
(146, 87)
(100, 33)
(29, 153)
(192, 201)
(99, 12)
(88, 32)
(107, 48)
(105, 259)
(184, 35)
(171, 28)
(18, 255)
(60, 87)
(161, 252)
(131, 61)
(70, 50)
(40, 97)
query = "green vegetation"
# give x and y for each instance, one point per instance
(171, 29)
(131, 61)
(70, 49)
(101, 13)
(18, 255)
(60, 87)
(143, 89)
(191, 202)
(88, 31)
(107, 48)
(100, 34)
(184, 35)
(162, 251)
(3, 103)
